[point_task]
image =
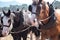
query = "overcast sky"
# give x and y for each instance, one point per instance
(25, 1)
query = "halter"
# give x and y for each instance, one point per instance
(47, 18)
(40, 21)
(6, 25)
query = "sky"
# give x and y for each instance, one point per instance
(19, 1)
(25, 1)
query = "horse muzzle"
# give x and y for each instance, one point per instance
(5, 31)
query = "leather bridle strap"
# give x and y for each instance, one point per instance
(47, 18)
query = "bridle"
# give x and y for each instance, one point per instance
(6, 25)
(19, 31)
(45, 18)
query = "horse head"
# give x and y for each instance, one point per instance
(7, 23)
(43, 12)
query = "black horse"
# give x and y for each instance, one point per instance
(18, 26)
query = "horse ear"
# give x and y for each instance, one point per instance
(4, 12)
(9, 12)
(17, 9)
(30, 8)
(13, 12)
(40, 1)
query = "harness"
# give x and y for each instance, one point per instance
(47, 18)
(50, 23)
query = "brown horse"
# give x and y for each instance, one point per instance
(49, 21)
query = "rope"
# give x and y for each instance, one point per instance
(44, 20)
(21, 31)
(47, 18)
(30, 25)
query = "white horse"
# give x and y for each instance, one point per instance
(7, 25)
(30, 19)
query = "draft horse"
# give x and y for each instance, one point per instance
(19, 29)
(49, 21)
(6, 26)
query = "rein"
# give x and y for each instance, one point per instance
(6, 25)
(21, 31)
(47, 18)
(43, 19)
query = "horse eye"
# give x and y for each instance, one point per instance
(42, 11)
(9, 20)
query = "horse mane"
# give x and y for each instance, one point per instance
(19, 18)
(18, 21)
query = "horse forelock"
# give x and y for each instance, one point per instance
(19, 17)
